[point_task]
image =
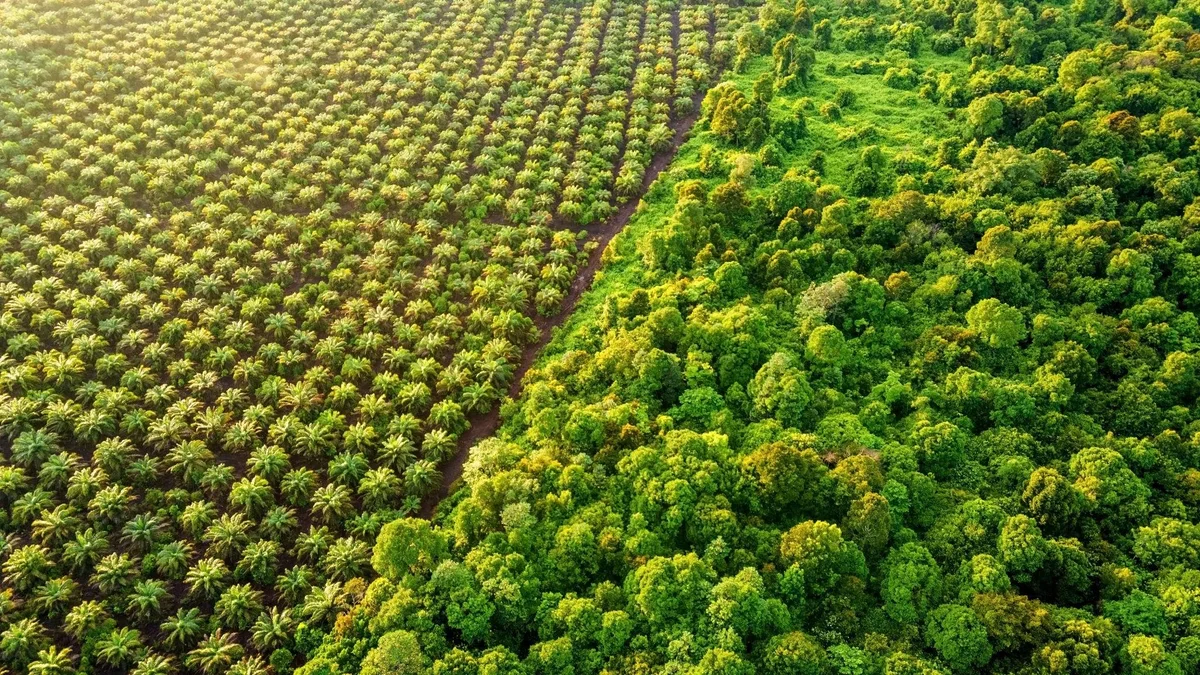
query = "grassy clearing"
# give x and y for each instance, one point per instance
(894, 119)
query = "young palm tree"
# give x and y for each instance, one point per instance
(250, 665)
(437, 446)
(33, 447)
(21, 641)
(421, 476)
(207, 578)
(313, 544)
(270, 462)
(141, 532)
(53, 598)
(332, 502)
(215, 654)
(322, 604)
(278, 523)
(85, 550)
(197, 516)
(171, 560)
(252, 495)
(28, 566)
(119, 648)
(56, 526)
(295, 583)
(298, 485)
(189, 460)
(379, 488)
(348, 468)
(84, 484)
(111, 504)
(30, 505)
(154, 664)
(346, 558)
(258, 561)
(397, 452)
(216, 479)
(238, 606)
(271, 630)
(228, 535)
(53, 661)
(183, 629)
(147, 599)
(114, 573)
(84, 617)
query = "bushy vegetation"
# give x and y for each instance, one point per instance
(895, 372)
(260, 264)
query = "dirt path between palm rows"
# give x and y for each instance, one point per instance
(484, 425)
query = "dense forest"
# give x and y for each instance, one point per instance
(895, 372)
(262, 263)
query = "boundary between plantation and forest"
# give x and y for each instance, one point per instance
(483, 425)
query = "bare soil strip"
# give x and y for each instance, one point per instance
(484, 425)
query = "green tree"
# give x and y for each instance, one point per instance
(959, 638)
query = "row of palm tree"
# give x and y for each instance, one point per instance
(260, 264)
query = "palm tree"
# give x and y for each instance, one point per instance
(171, 560)
(312, 440)
(421, 476)
(84, 484)
(154, 664)
(197, 517)
(21, 641)
(215, 654)
(110, 504)
(227, 535)
(183, 629)
(57, 469)
(313, 544)
(250, 665)
(114, 573)
(28, 566)
(295, 583)
(141, 532)
(332, 502)
(478, 397)
(119, 648)
(241, 435)
(379, 488)
(217, 479)
(348, 468)
(85, 550)
(238, 606)
(53, 598)
(252, 494)
(278, 523)
(84, 617)
(30, 505)
(299, 396)
(322, 604)
(269, 462)
(347, 558)
(55, 527)
(53, 661)
(207, 578)
(298, 485)
(397, 452)
(437, 446)
(31, 448)
(112, 455)
(271, 630)
(258, 561)
(146, 600)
